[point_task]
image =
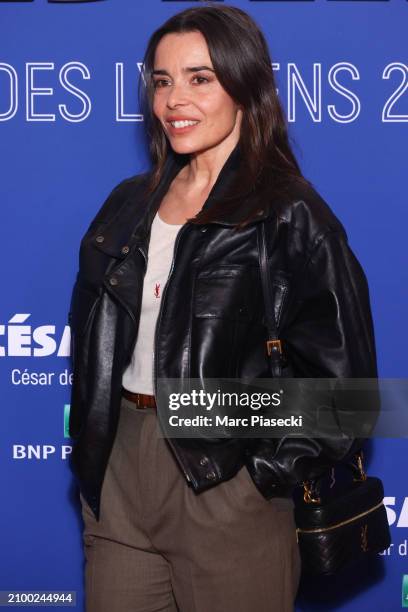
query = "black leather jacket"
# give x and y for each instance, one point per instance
(211, 324)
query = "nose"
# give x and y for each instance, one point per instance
(176, 95)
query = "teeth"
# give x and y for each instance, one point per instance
(181, 124)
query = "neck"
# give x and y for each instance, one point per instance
(204, 167)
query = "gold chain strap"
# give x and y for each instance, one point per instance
(363, 475)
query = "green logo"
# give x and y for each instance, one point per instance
(405, 591)
(66, 423)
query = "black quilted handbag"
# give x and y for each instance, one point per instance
(338, 523)
(344, 525)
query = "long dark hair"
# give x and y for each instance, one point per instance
(242, 63)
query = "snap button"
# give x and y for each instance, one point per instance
(211, 475)
(125, 250)
(100, 238)
(204, 461)
(204, 229)
(113, 280)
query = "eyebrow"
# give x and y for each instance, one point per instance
(186, 69)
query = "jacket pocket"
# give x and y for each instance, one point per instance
(226, 292)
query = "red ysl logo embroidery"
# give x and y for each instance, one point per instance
(157, 290)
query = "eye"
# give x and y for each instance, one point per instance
(157, 82)
(160, 83)
(201, 78)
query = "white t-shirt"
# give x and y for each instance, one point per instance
(138, 376)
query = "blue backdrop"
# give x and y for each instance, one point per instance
(70, 129)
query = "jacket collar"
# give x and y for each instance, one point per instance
(175, 162)
(118, 235)
(225, 178)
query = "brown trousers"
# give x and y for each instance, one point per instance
(161, 547)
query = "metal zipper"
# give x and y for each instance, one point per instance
(106, 283)
(350, 520)
(157, 326)
(139, 248)
(144, 255)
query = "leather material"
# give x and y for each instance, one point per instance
(352, 525)
(212, 323)
(142, 400)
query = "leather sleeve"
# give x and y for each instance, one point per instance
(328, 332)
(114, 200)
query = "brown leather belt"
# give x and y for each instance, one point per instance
(142, 400)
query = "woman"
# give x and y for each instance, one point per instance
(169, 287)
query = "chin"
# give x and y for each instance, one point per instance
(189, 147)
(184, 147)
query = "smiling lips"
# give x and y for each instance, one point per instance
(178, 126)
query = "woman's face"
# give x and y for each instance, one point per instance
(182, 94)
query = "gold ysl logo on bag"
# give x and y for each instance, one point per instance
(364, 538)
